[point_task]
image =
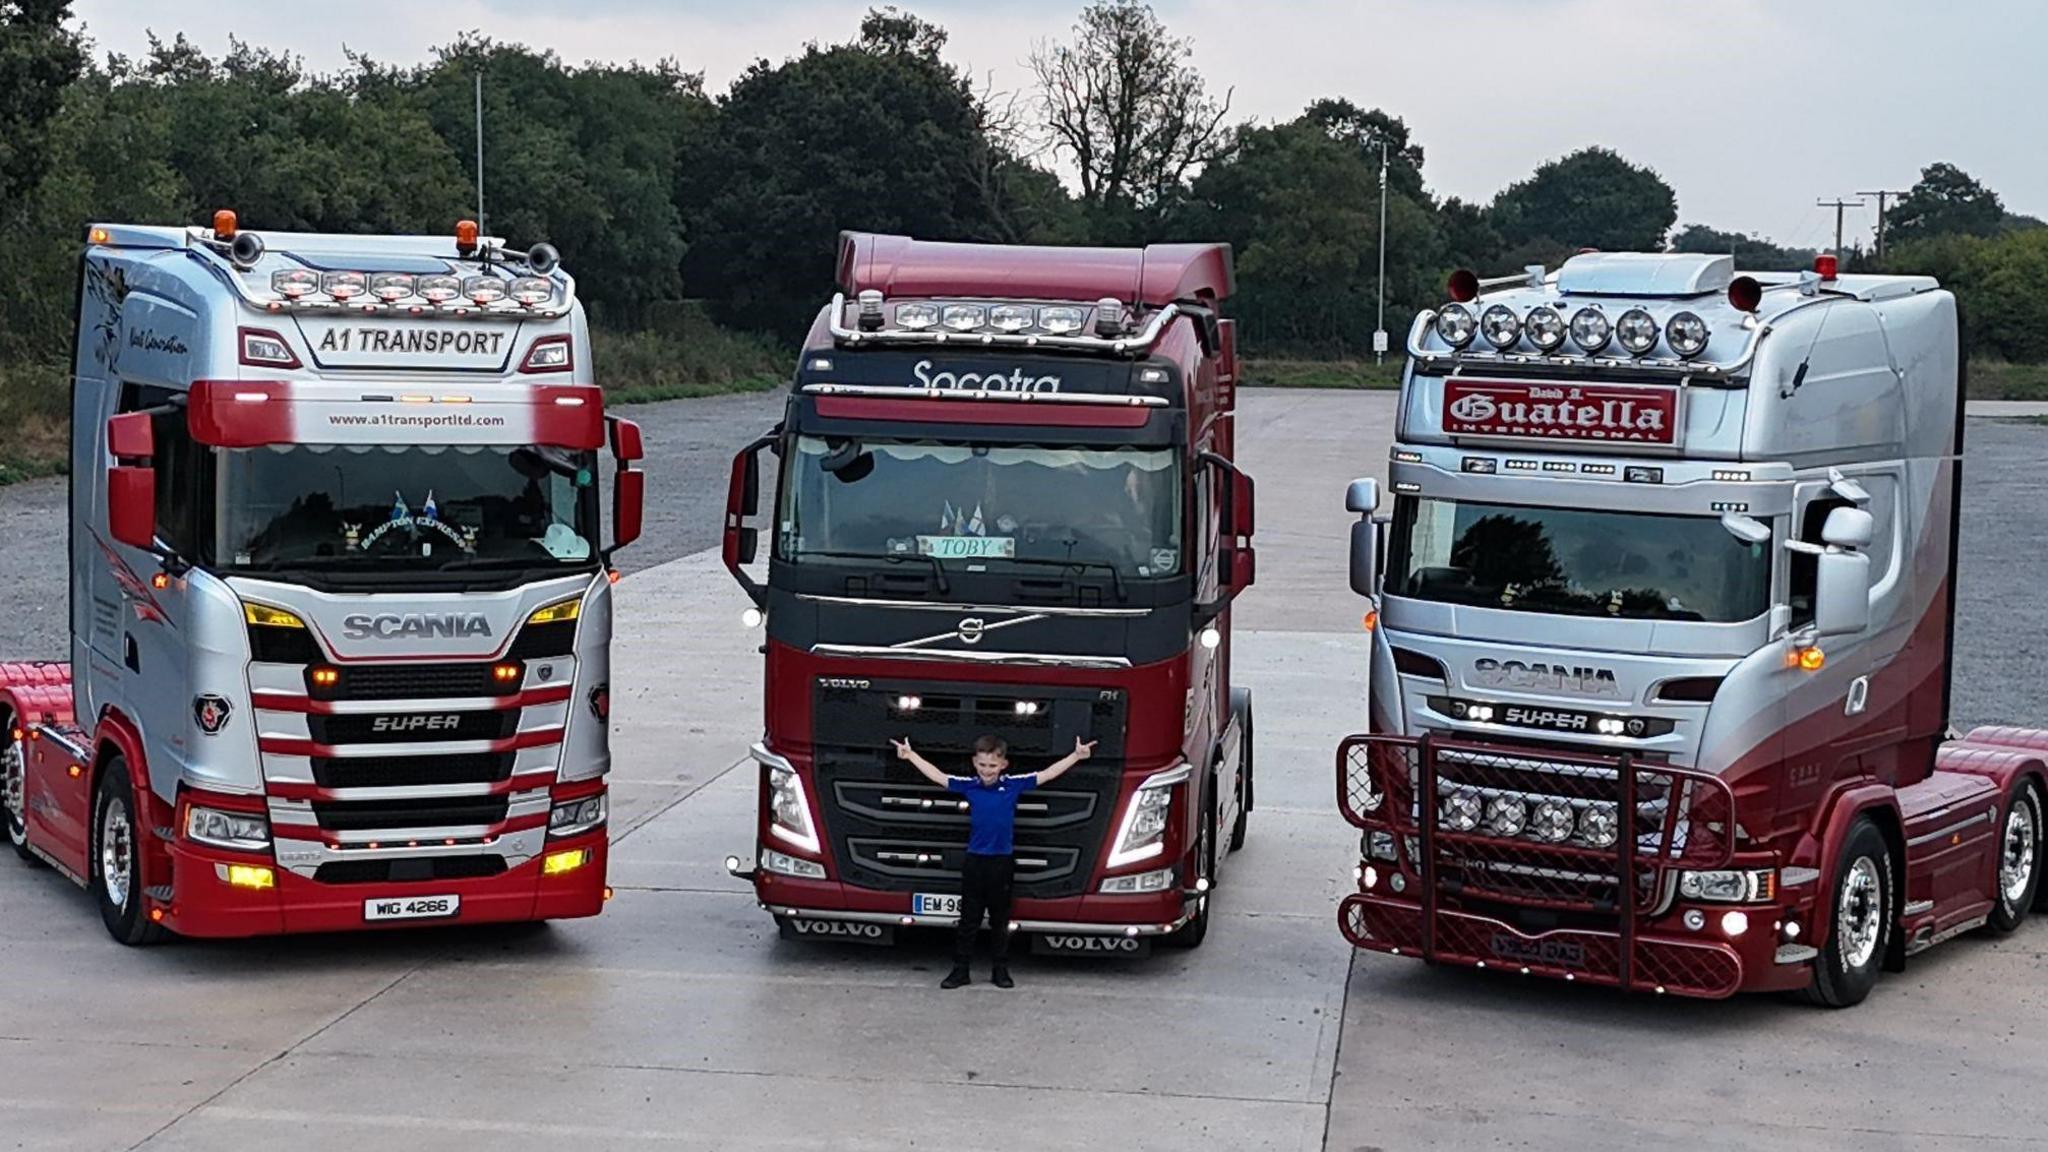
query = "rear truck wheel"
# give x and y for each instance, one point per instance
(1191, 934)
(1239, 826)
(1847, 969)
(14, 790)
(116, 859)
(2019, 858)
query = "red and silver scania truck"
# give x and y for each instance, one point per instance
(1008, 504)
(340, 614)
(1665, 609)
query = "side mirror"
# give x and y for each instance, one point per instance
(1848, 528)
(1363, 497)
(742, 502)
(629, 485)
(131, 488)
(626, 443)
(1241, 505)
(1841, 595)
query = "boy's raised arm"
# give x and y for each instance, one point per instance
(1081, 752)
(925, 767)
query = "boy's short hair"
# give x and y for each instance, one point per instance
(992, 745)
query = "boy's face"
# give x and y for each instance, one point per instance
(990, 766)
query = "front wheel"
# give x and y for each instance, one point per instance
(2019, 859)
(14, 790)
(1847, 969)
(1191, 934)
(116, 860)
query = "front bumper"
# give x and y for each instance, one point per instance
(1152, 914)
(204, 905)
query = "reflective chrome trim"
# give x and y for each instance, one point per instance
(1958, 826)
(1917, 908)
(1796, 953)
(1794, 877)
(50, 732)
(305, 857)
(970, 631)
(1028, 659)
(910, 920)
(928, 606)
(963, 394)
(1124, 344)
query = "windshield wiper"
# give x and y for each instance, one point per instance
(1116, 577)
(938, 570)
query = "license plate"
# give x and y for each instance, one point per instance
(412, 908)
(924, 904)
(1554, 953)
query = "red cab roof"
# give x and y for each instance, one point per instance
(1153, 276)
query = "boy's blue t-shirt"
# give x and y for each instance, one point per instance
(992, 811)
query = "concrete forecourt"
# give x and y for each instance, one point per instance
(678, 1019)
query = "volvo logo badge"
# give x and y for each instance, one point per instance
(970, 630)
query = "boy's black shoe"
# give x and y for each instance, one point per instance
(956, 978)
(1001, 978)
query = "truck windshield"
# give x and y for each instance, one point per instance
(977, 506)
(411, 509)
(1575, 562)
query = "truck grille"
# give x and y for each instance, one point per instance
(408, 871)
(377, 815)
(890, 830)
(406, 771)
(411, 727)
(413, 682)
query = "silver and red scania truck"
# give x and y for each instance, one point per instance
(1007, 504)
(340, 614)
(1663, 625)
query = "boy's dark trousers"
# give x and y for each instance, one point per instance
(985, 887)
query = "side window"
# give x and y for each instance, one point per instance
(181, 478)
(1804, 569)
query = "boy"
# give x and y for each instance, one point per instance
(992, 820)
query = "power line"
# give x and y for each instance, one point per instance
(1838, 205)
(1882, 194)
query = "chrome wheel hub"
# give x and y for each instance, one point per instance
(1859, 917)
(117, 853)
(14, 777)
(2016, 860)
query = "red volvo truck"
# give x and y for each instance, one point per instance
(340, 615)
(1665, 615)
(1007, 502)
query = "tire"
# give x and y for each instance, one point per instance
(1239, 827)
(1863, 902)
(1191, 934)
(2017, 882)
(14, 791)
(113, 864)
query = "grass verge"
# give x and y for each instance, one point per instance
(1322, 373)
(33, 399)
(2000, 380)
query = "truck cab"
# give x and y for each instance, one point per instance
(1664, 610)
(340, 612)
(1006, 503)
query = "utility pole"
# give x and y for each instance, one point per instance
(1838, 205)
(1379, 332)
(1882, 195)
(482, 230)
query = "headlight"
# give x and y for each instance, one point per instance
(963, 317)
(1744, 886)
(1552, 822)
(577, 816)
(1011, 317)
(1590, 330)
(1380, 846)
(789, 810)
(242, 831)
(1455, 326)
(1599, 825)
(1143, 832)
(1637, 331)
(916, 317)
(270, 617)
(557, 612)
(787, 865)
(1501, 327)
(1506, 816)
(1687, 334)
(1545, 328)
(1155, 881)
(1062, 319)
(1461, 810)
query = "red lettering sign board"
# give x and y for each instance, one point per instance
(1532, 410)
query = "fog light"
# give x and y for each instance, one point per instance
(1155, 881)
(1735, 923)
(1371, 879)
(558, 863)
(246, 875)
(1791, 929)
(784, 864)
(1397, 882)
(1695, 919)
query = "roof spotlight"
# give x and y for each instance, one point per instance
(1637, 331)
(1455, 325)
(1545, 327)
(1590, 330)
(1501, 327)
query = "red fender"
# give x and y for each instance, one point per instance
(2006, 764)
(1821, 847)
(153, 863)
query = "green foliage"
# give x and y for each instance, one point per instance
(681, 352)
(1323, 374)
(1590, 199)
(39, 57)
(2001, 285)
(1752, 253)
(1946, 201)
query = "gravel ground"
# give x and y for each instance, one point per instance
(690, 445)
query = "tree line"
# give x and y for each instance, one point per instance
(658, 190)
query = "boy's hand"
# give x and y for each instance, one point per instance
(1083, 751)
(902, 748)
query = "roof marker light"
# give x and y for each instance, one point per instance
(439, 289)
(1745, 294)
(1463, 285)
(1826, 265)
(224, 225)
(344, 285)
(870, 310)
(392, 287)
(465, 236)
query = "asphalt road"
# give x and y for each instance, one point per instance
(677, 1018)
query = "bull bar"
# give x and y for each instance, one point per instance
(1487, 887)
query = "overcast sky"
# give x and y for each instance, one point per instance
(1751, 109)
